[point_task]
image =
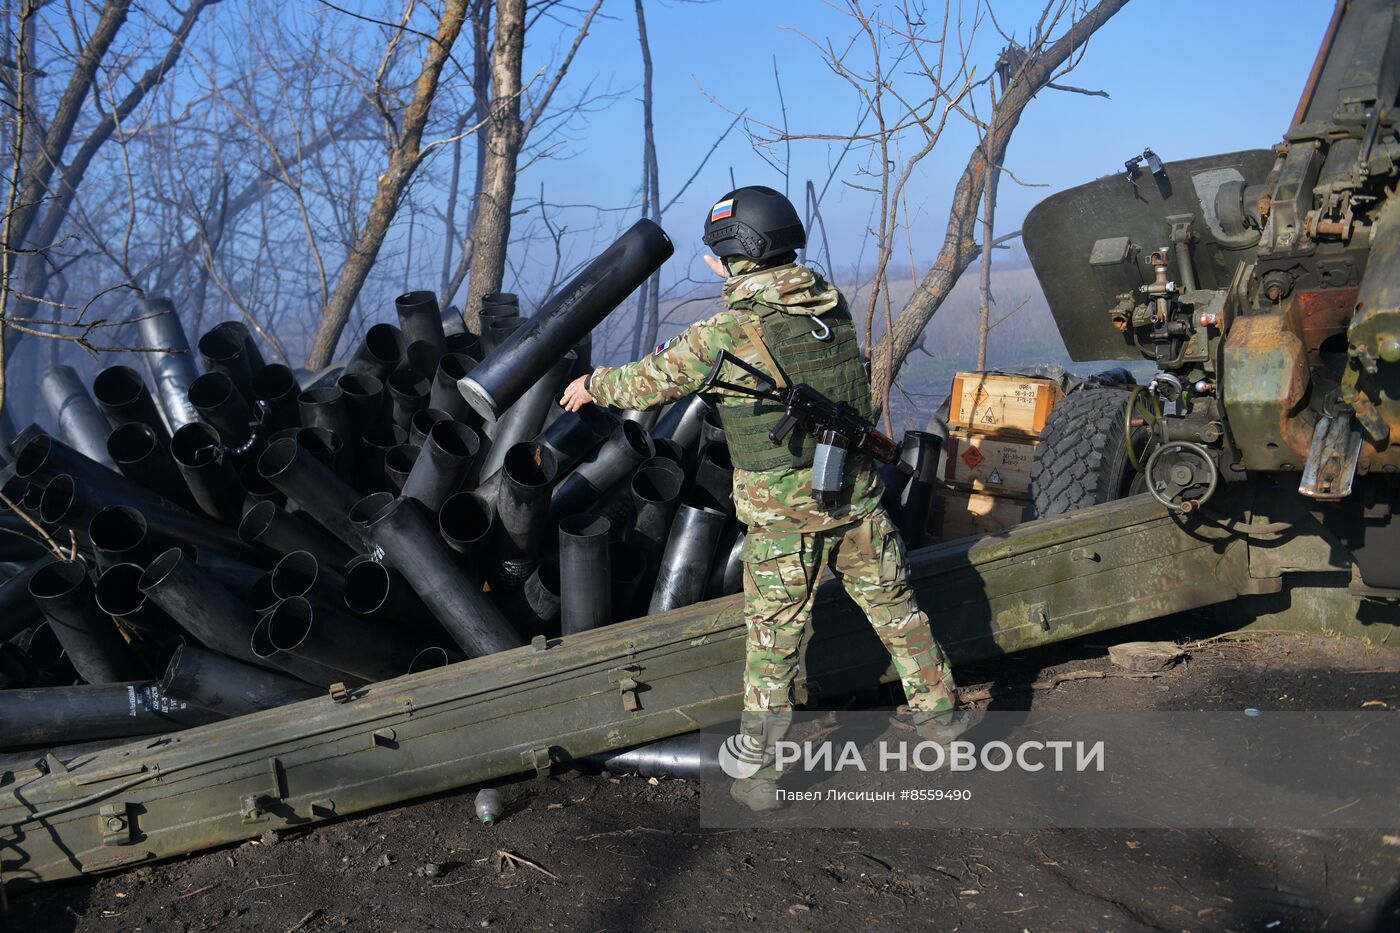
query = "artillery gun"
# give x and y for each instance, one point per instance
(1265, 287)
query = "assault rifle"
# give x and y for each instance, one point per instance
(836, 425)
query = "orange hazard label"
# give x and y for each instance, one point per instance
(972, 457)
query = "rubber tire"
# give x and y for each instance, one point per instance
(1082, 457)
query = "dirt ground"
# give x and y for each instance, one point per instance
(600, 852)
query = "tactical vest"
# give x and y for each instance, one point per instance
(832, 367)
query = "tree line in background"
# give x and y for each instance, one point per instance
(292, 167)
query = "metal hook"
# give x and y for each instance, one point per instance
(825, 335)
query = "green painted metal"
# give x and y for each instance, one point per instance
(534, 707)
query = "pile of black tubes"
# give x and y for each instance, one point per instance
(250, 535)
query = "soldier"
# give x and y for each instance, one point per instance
(786, 320)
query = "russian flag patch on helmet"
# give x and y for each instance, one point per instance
(722, 210)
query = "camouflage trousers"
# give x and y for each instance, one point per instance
(780, 580)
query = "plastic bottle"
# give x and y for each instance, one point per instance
(488, 805)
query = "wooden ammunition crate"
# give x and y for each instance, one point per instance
(988, 463)
(958, 514)
(989, 403)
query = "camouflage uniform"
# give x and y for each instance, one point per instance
(789, 537)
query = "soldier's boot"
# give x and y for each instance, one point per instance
(940, 726)
(759, 791)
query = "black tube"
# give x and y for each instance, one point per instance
(668, 449)
(713, 485)
(399, 463)
(444, 395)
(225, 348)
(375, 445)
(260, 598)
(7, 432)
(223, 685)
(522, 511)
(432, 658)
(576, 434)
(408, 394)
(327, 408)
(319, 379)
(711, 429)
(420, 319)
(523, 420)
(422, 424)
(442, 464)
(328, 447)
(255, 488)
(685, 565)
(466, 522)
(275, 386)
(380, 353)
(656, 491)
(647, 419)
(239, 576)
(565, 317)
(920, 450)
(44, 458)
(585, 572)
(682, 421)
(496, 330)
(207, 471)
(118, 594)
(47, 715)
(200, 604)
(405, 534)
(269, 655)
(466, 342)
(18, 610)
(90, 640)
(143, 457)
(316, 633)
(453, 323)
(500, 300)
(80, 421)
(122, 395)
(301, 574)
(607, 466)
(534, 607)
(119, 536)
(26, 434)
(309, 483)
(382, 594)
(64, 509)
(629, 571)
(217, 399)
(364, 400)
(422, 358)
(727, 574)
(172, 369)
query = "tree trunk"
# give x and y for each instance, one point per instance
(404, 158)
(490, 232)
(649, 295)
(989, 206)
(959, 243)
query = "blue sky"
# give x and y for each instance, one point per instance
(1187, 78)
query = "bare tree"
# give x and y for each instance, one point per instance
(406, 153)
(1044, 60)
(649, 295)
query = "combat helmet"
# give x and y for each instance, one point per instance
(755, 222)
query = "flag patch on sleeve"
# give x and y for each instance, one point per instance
(722, 210)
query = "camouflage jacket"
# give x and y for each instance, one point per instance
(770, 500)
